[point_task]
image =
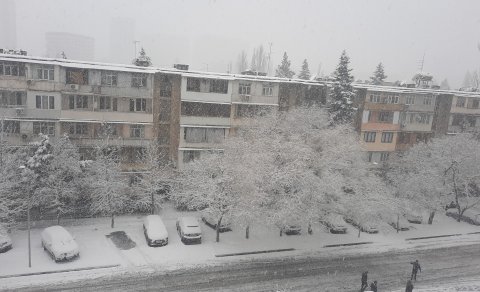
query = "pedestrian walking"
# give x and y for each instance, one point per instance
(373, 286)
(364, 281)
(416, 267)
(409, 287)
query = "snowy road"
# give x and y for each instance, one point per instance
(390, 269)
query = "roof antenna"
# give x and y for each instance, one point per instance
(421, 62)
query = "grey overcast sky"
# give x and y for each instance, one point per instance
(207, 33)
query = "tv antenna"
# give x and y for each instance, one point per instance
(421, 63)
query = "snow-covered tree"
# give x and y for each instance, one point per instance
(242, 62)
(283, 70)
(422, 79)
(305, 72)
(378, 75)
(142, 60)
(444, 85)
(342, 95)
(259, 60)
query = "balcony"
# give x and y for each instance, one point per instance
(106, 116)
(140, 142)
(383, 106)
(255, 99)
(205, 121)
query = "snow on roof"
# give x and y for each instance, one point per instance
(57, 232)
(415, 90)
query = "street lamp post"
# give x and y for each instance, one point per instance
(28, 224)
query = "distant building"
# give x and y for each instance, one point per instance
(122, 37)
(72, 46)
(8, 26)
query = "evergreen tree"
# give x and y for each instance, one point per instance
(342, 95)
(283, 70)
(378, 75)
(305, 72)
(142, 60)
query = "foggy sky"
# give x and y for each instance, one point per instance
(206, 33)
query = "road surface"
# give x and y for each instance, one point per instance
(390, 269)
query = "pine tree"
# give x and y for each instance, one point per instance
(378, 75)
(305, 72)
(342, 95)
(283, 70)
(142, 60)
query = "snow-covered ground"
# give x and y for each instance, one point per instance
(98, 251)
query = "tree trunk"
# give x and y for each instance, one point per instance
(58, 217)
(359, 232)
(247, 232)
(218, 229)
(398, 222)
(113, 221)
(153, 205)
(309, 229)
(430, 217)
(281, 232)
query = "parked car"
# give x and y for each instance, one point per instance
(5, 240)
(402, 223)
(155, 232)
(212, 222)
(414, 218)
(334, 223)
(189, 230)
(289, 229)
(367, 226)
(59, 243)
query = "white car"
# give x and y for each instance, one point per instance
(334, 223)
(402, 223)
(155, 232)
(367, 226)
(5, 240)
(58, 242)
(212, 222)
(414, 218)
(189, 230)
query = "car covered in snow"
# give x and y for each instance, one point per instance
(212, 222)
(334, 223)
(291, 229)
(402, 223)
(189, 230)
(414, 218)
(155, 231)
(367, 226)
(59, 243)
(5, 240)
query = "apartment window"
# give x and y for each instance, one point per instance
(114, 104)
(109, 78)
(190, 155)
(387, 137)
(375, 98)
(139, 80)
(267, 90)
(410, 100)
(403, 138)
(369, 137)
(457, 120)
(385, 117)
(12, 69)
(199, 109)
(204, 135)
(45, 102)
(369, 156)
(78, 128)
(137, 131)
(77, 76)
(193, 84)
(81, 101)
(384, 156)
(11, 127)
(47, 128)
(165, 88)
(104, 102)
(138, 105)
(45, 73)
(460, 101)
(12, 98)
(392, 99)
(472, 121)
(423, 119)
(218, 86)
(475, 103)
(244, 88)
(427, 100)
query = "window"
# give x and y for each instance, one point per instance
(267, 90)
(369, 156)
(385, 117)
(114, 104)
(45, 102)
(165, 88)
(391, 99)
(45, 73)
(475, 103)
(375, 97)
(109, 78)
(104, 102)
(423, 118)
(218, 86)
(204, 135)
(138, 80)
(410, 100)
(12, 127)
(403, 138)
(81, 101)
(47, 128)
(472, 121)
(78, 128)
(427, 100)
(199, 109)
(77, 76)
(369, 137)
(190, 155)
(137, 131)
(12, 69)
(460, 101)
(138, 105)
(12, 98)
(387, 137)
(193, 84)
(384, 156)
(457, 120)
(244, 88)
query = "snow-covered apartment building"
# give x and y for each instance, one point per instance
(187, 112)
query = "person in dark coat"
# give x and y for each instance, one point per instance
(373, 286)
(409, 287)
(364, 281)
(416, 267)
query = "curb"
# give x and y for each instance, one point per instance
(437, 236)
(348, 244)
(59, 271)
(478, 232)
(253, 252)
